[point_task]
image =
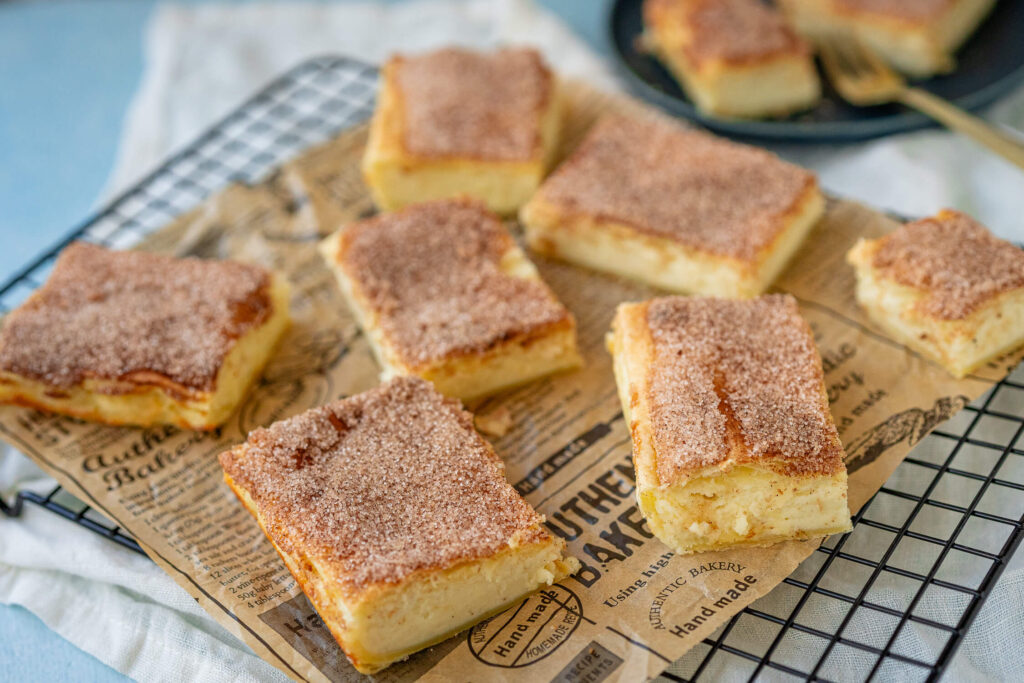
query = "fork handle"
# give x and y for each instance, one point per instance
(970, 125)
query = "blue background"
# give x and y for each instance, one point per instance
(67, 73)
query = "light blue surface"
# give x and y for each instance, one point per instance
(67, 73)
(29, 651)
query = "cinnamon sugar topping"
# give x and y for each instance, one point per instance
(432, 273)
(954, 259)
(117, 315)
(731, 30)
(460, 103)
(386, 483)
(738, 379)
(914, 10)
(680, 184)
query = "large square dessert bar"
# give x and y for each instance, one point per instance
(673, 207)
(395, 518)
(444, 293)
(733, 57)
(918, 37)
(733, 441)
(458, 122)
(132, 338)
(944, 286)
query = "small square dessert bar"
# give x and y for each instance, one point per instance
(676, 208)
(736, 58)
(946, 287)
(133, 338)
(915, 36)
(444, 293)
(395, 518)
(458, 122)
(733, 441)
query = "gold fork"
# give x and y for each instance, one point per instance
(863, 79)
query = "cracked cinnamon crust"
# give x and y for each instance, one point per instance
(444, 293)
(918, 37)
(395, 518)
(459, 122)
(733, 441)
(133, 338)
(673, 207)
(944, 286)
(734, 58)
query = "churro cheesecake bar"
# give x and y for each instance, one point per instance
(133, 338)
(735, 58)
(918, 37)
(395, 518)
(444, 293)
(733, 441)
(459, 122)
(676, 208)
(946, 287)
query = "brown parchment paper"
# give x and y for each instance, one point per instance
(634, 608)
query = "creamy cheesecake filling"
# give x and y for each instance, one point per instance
(405, 619)
(745, 505)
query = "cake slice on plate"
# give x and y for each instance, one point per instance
(734, 58)
(918, 37)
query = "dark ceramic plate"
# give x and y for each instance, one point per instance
(989, 65)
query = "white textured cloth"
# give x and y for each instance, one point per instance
(200, 63)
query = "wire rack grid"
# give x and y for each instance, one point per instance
(862, 607)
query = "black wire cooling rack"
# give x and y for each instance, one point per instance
(894, 598)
